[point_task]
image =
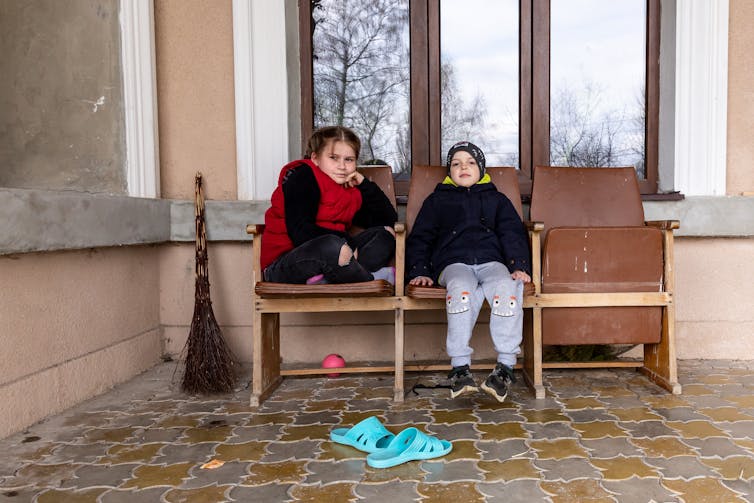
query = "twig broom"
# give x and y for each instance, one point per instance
(209, 361)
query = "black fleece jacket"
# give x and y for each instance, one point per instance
(302, 196)
(470, 225)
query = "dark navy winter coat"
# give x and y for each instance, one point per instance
(471, 225)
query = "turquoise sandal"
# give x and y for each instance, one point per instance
(369, 435)
(409, 445)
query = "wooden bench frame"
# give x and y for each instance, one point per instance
(270, 300)
(659, 359)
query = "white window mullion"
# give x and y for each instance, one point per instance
(701, 97)
(140, 97)
(261, 96)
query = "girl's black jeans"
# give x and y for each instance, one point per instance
(320, 255)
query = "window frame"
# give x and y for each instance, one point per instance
(534, 81)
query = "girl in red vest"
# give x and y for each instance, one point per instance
(317, 200)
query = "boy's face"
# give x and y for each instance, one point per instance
(337, 160)
(464, 171)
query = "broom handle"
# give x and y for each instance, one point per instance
(201, 237)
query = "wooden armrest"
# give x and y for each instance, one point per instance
(400, 257)
(255, 229)
(664, 224)
(534, 226)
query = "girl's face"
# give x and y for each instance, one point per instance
(337, 160)
(464, 171)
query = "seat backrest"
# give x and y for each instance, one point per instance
(382, 176)
(586, 197)
(425, 178)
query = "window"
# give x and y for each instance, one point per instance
(534, 82)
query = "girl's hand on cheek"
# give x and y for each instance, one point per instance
(354, 179)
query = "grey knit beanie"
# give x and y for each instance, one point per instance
(472, 149)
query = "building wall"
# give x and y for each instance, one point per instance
(194, 53)
(74, 323)
(740, 175)
(61, 96)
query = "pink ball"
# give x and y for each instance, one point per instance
(333, 361)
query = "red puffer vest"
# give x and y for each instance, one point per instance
(337, 206)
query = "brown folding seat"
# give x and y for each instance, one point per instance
(606, 275)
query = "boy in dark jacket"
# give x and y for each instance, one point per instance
(469, 238)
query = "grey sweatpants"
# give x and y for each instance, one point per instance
(468, 286)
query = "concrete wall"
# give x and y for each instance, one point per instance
(740, 175)
(61, 111)
(74, 324)
(194, 51)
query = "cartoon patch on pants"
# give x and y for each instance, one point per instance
(504, 305)
(459, 303)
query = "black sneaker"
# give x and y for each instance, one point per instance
(498, 382)
(461, 381)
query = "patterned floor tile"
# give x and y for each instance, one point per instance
(589, 415)
(263, 493)
(100, 476)
(609, 447)
(503, 431)
(557, 449)
(600, 435)
(738, 429)
(663, 446)
(518, 491)
(639, 490)
(582, 403)
(458, 431)
(716, 447)
(696, 429)
(229, 473)
(622, 468)
(566, 469)
(730, 414)
(577, 490)
(315, 494)
(702, 490)
(681, 467)
(200, 495)
(301, 450)
(70, 496)
(396, 491)
(145, 476)
(457, 491)
(648, 429)
(463, 449)
(732, 468)
(84, 453)
(286, 472)
(550, 430)
(451, 471)
(599, 429)
(329, 472)
(407, 472)
(502, 450)
(131, 453)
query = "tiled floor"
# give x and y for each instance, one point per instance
(600, 436)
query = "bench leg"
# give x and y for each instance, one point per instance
(532, 367)
(659, 359)
(398, 393)
(266, 357)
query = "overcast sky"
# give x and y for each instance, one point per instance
(596, 40)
